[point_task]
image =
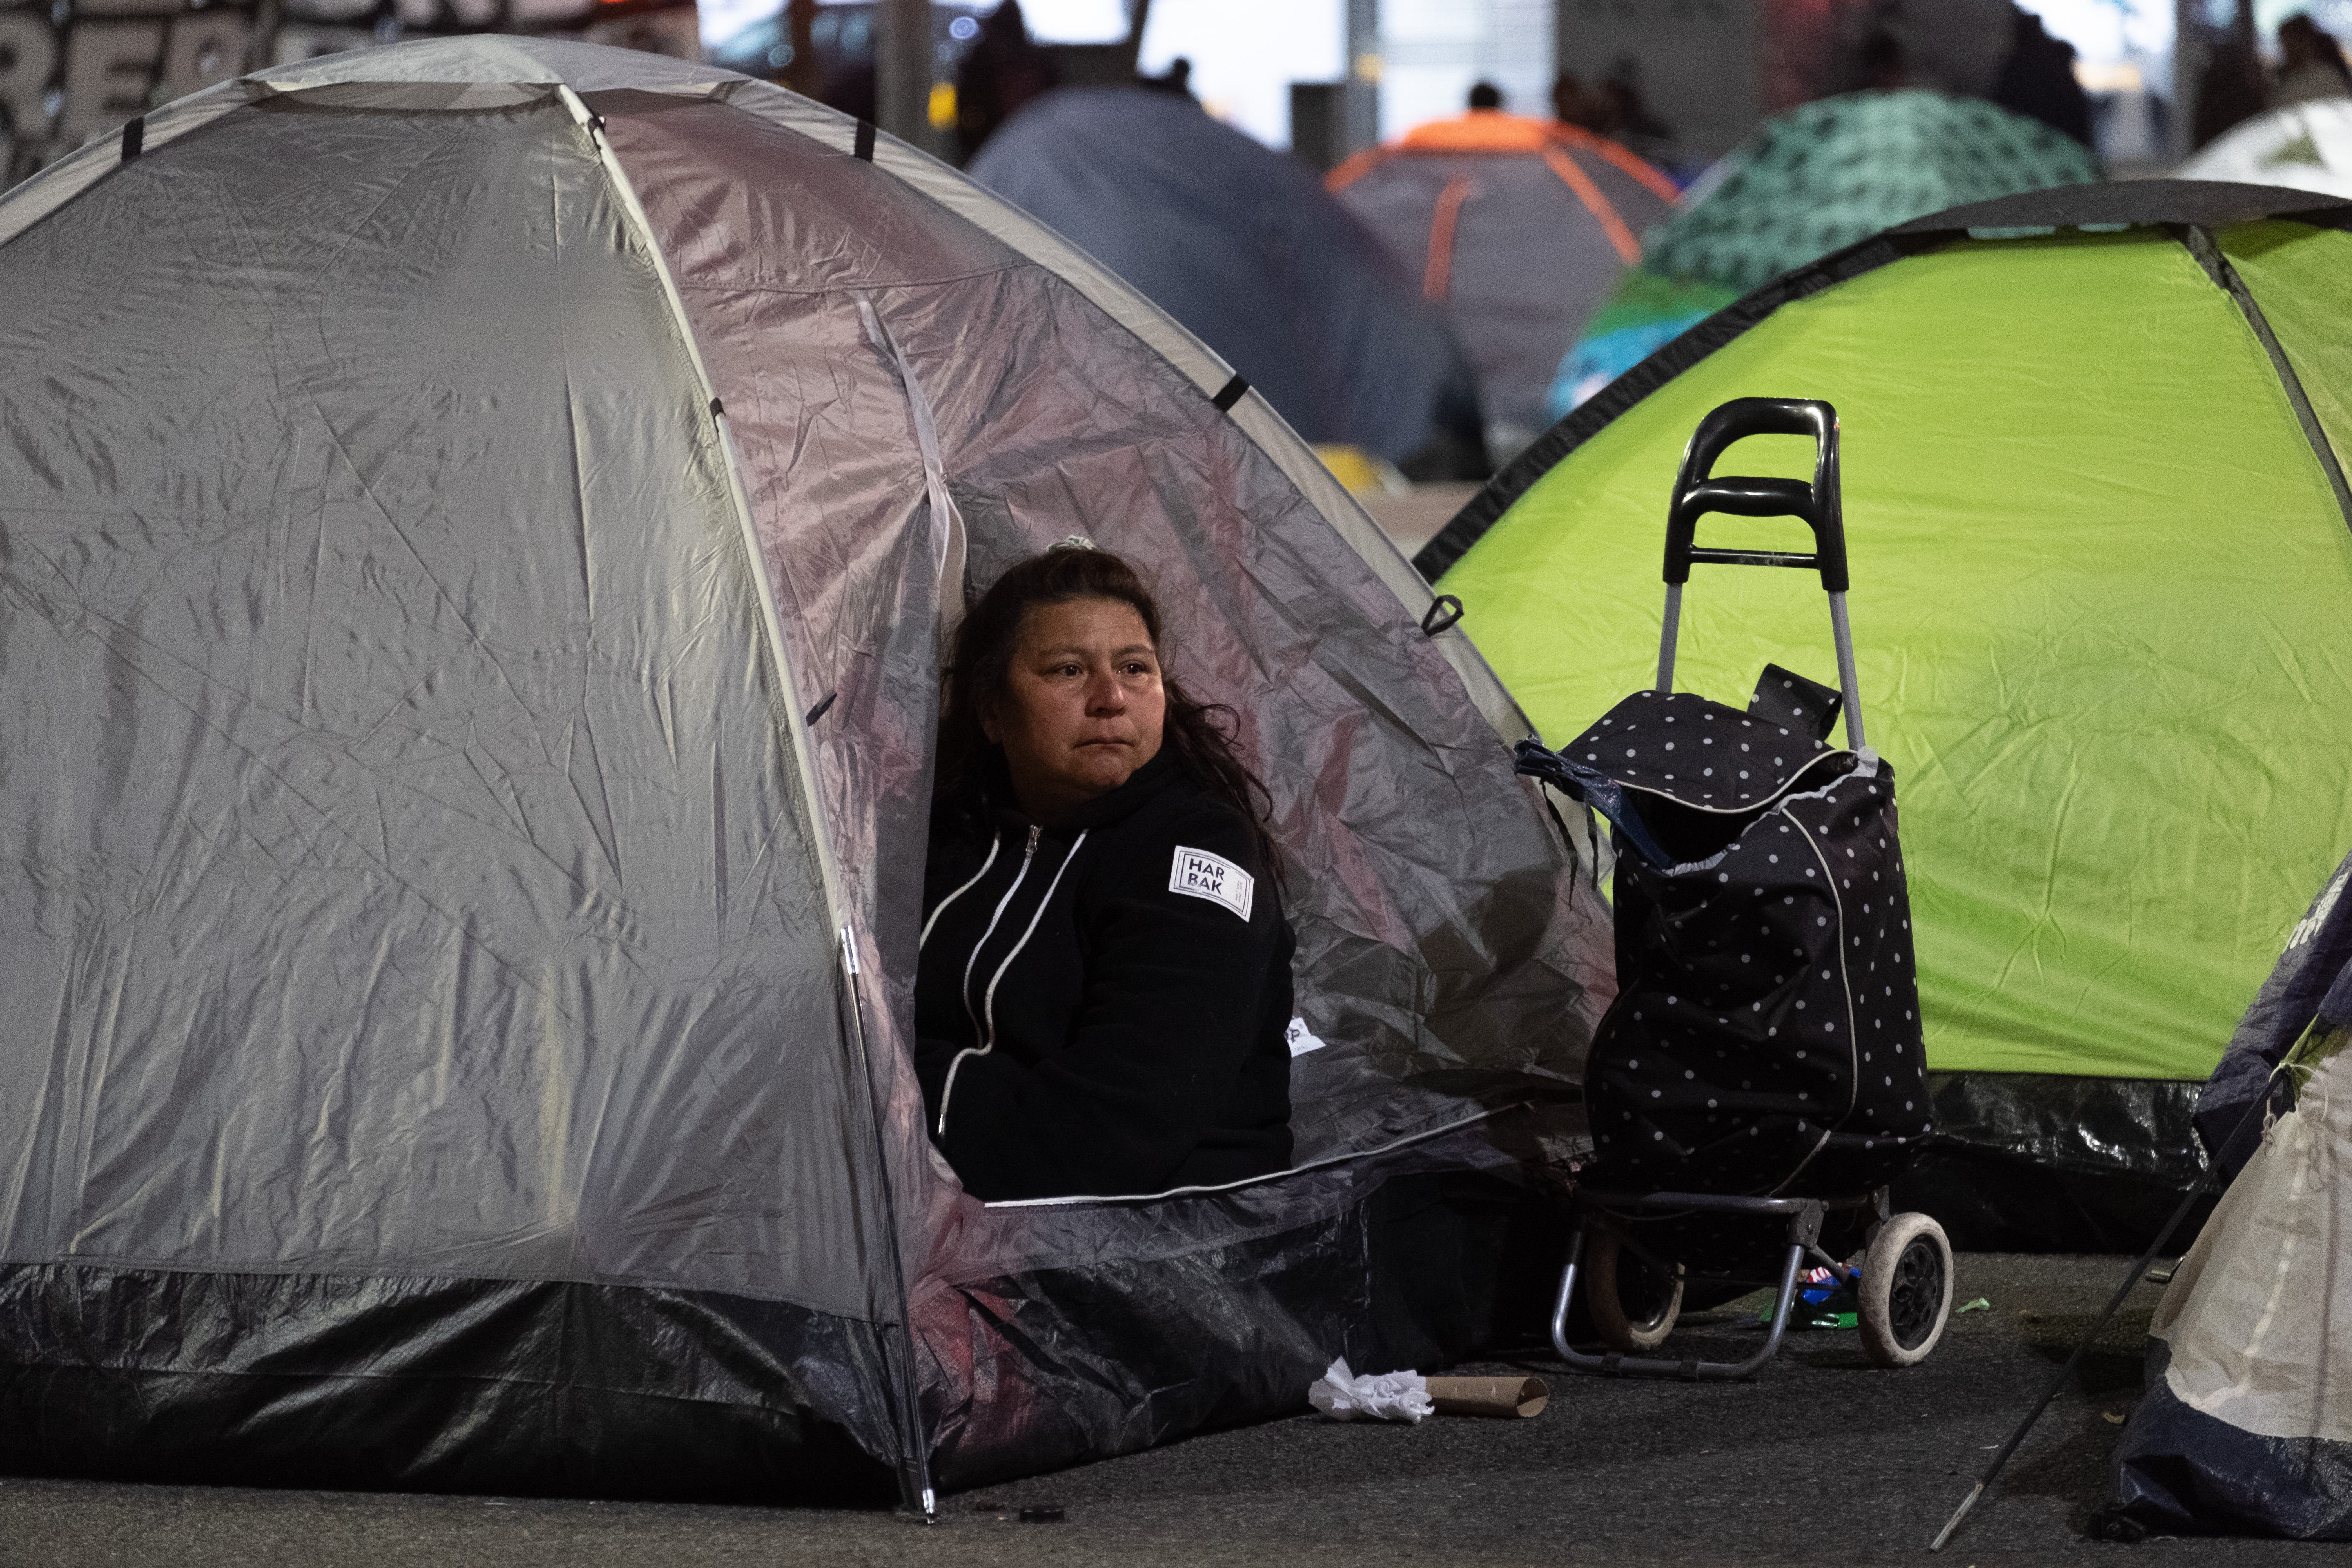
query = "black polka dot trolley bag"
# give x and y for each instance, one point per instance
(1759, 1077)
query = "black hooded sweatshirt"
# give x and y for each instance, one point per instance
(1101, 1007)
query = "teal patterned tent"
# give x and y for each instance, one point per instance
(1822, 176)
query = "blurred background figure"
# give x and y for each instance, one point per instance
(2305, 142)
(1519, 228)
(1004, 70)
(1243, 246)
(2311, 63)
(2233, 90)
(1612, 106)
(2038, 81)
(1882, 61)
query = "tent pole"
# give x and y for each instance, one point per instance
(914, 1461)
(2067, 1371)
(2138, 1269)
(915, 1489)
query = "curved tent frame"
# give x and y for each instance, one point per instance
(2189, 210)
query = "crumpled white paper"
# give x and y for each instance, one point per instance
(1390, 1396)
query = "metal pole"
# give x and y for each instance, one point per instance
(902, 70)
(915, 1488)
(1666, 638)
(1360, 96)
(2189, 58)
(1847, 684)
(2250, 1117)
(2139, 1271)
(801, 72)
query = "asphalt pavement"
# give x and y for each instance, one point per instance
(1821, 1460)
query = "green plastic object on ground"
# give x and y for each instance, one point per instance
(2101, 575)
(1820, 177)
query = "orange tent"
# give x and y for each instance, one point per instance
(1518, 228)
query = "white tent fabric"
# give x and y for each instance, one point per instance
(2259, 1337)
(2246, 1428)
(2305, 146)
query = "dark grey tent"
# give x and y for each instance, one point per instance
(1244, 247)
(478, 525)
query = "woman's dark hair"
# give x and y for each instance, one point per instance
(1199, 735)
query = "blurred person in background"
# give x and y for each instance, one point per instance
(1572, 103)
(1882, 62)
(1004, 70)
(2314, 64)
(1612, 106)
(1178, 78)
(2233, 90)
(2037, 80)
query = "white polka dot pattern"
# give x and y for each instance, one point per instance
(1767, 1025)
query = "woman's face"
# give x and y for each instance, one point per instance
(1082, 705)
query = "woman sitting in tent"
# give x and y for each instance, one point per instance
(1105, 980)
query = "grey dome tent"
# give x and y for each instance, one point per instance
(1244, 246)
(477, 530)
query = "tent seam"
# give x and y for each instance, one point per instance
(1919, 236)
(915, 1460)
(1345, 1157)
(237, 1268)
(2198, 240)
(1556, 445)
(1019, 264)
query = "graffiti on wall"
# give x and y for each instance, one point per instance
(74, 70)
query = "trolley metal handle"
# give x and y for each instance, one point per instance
(1697, 492)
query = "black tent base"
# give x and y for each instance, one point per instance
(525, 1388)
(2044, 1163)
(1417, 1267)
(432, 1385)
(2178, 1471)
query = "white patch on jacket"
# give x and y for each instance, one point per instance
(1212, 876)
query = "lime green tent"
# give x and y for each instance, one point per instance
(2103, 600)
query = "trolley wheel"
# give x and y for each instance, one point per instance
(1906, 1290)
(1634, 1302)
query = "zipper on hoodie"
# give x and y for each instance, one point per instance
(963, 988)
(1028, 854)
(984, 1027)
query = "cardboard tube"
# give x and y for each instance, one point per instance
(1506, 1397)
